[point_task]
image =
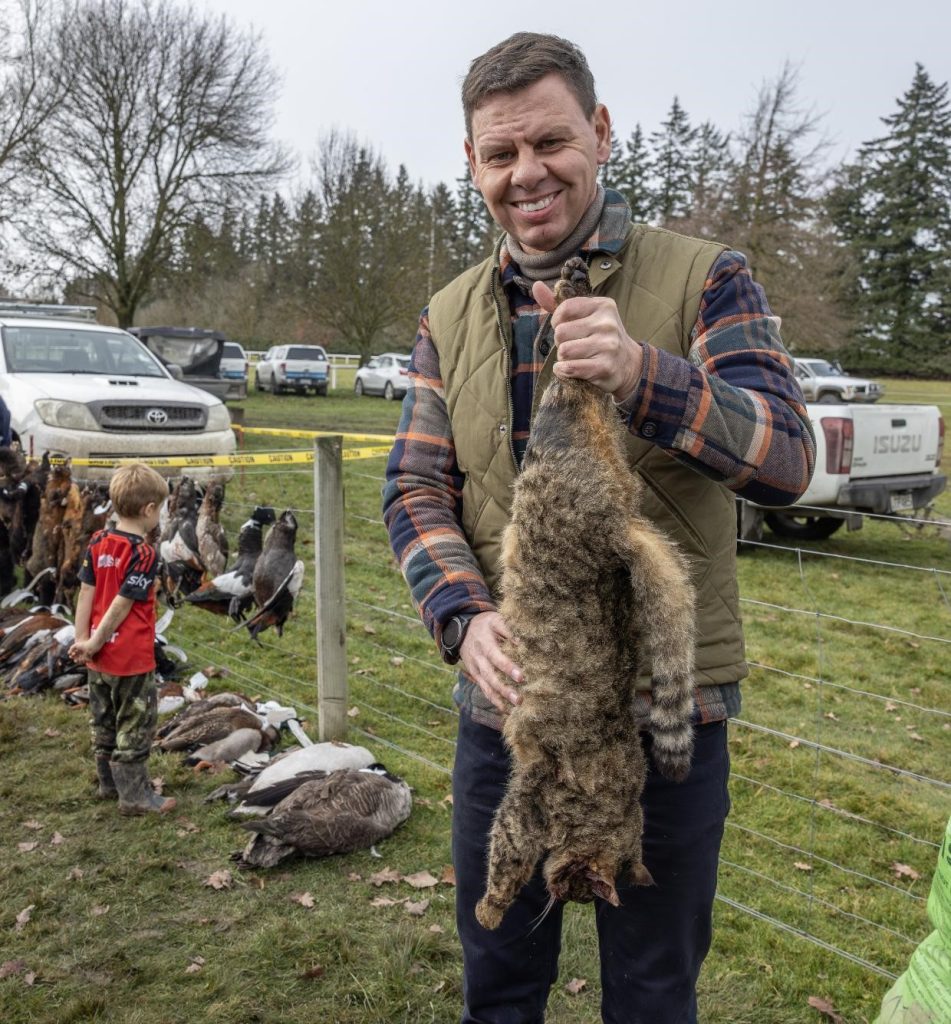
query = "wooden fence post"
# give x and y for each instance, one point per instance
(331, 605)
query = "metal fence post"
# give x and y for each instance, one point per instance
(331, 605)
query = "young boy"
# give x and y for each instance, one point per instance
(115, 638)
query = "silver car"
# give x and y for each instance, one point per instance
(386, 374)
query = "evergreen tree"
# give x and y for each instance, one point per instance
(673, 174)
(638, 189)
(476, 232)
(894, 210)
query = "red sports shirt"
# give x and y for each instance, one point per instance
(122, 563)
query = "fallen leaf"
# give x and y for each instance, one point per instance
(889, 706)
(904, 871)
(57, 840)
(12, 967)
(353, 712)
(447, 799)
(384, 901)
(575, 986)
(397, 661)
(440, 986)
(219, 879)
(304, 899)
(52, 733)
(354, 877)
(317, 971)
(436, 929)
(421, 880)
(355, 659)
(98, 911)
(23, 918)
(386, 875)
(832, 715)
(197, 962)
(448, 876)
(27, 847)
(33, 824)
(29, 977)
(186, 826)
(802, 866)
(75, 874)
(369, 629)
(416, 909)
(793, 744)
(916, 690)
(916, 737)
(826, 1008)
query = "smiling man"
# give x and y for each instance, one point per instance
(681, 337)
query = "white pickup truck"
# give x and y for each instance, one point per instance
(882, 459)
(827, 383)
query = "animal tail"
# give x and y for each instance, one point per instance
(666, 632)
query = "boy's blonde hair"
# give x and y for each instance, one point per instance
(132, 487)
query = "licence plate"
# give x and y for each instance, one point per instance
(902, 502)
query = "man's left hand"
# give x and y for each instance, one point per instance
(592, 343)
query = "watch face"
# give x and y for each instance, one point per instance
(450, 635)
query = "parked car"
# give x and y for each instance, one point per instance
(884, 460)
(386, 374)
(194, 355)
(234, 367)
(827, 383)
(79, 389)
(293, 368)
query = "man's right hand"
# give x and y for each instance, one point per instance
(482, 655)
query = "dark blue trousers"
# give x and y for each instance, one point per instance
(651, 947)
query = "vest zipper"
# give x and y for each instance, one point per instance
(508, 368)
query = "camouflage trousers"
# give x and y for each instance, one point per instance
(123, 712)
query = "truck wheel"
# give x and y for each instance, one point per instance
(829, 398)
(802, 527)
(358, 388)
(258, 386)
(388, 393)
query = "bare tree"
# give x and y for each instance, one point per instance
(30, 87)
(167, 113)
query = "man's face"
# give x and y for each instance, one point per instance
(534, 157)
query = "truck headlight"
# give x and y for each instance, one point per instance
(67, 415)
(218, 417)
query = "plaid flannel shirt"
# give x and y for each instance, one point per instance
(732, 411)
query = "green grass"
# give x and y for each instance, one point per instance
(268, 958)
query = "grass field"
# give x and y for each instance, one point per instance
(122, 926)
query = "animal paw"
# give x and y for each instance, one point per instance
(489, 915)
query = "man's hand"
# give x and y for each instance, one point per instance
(482, 655)
(592, 343)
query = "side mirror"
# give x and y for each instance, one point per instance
(175, 370)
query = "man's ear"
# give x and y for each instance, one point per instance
(601, 121)
(470, 156)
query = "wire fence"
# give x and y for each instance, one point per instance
(839, 786)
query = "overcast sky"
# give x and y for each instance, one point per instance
(390, 72)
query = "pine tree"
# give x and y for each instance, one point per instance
(475, 230)
(894, 209)
(672, 145)
(635, 184)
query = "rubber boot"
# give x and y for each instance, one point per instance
(136, 795)
(107, 784)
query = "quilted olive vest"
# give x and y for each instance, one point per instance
(657, 281)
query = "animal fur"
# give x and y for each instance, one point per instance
(593, 593)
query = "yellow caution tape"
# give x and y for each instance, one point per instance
(238, 459)
(281, 432)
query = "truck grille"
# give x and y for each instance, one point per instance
(149, 417)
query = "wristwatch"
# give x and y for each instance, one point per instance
(453, 633)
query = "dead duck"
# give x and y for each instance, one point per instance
(346, 810)
(178, 543)
(209, 726)
(231, 593)
(277, 579)
(212, 541)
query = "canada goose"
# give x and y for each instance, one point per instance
(346, 810)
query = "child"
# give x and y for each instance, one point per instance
(115, 638)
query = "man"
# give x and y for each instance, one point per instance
(681, 337)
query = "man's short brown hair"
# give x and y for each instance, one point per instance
(520, 61)
(132, 487)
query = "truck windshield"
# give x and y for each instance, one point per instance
(821, 368)
(65, 350)
(305, 352)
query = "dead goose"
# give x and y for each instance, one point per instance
(346, 810)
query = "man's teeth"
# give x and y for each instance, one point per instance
(538, 204)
